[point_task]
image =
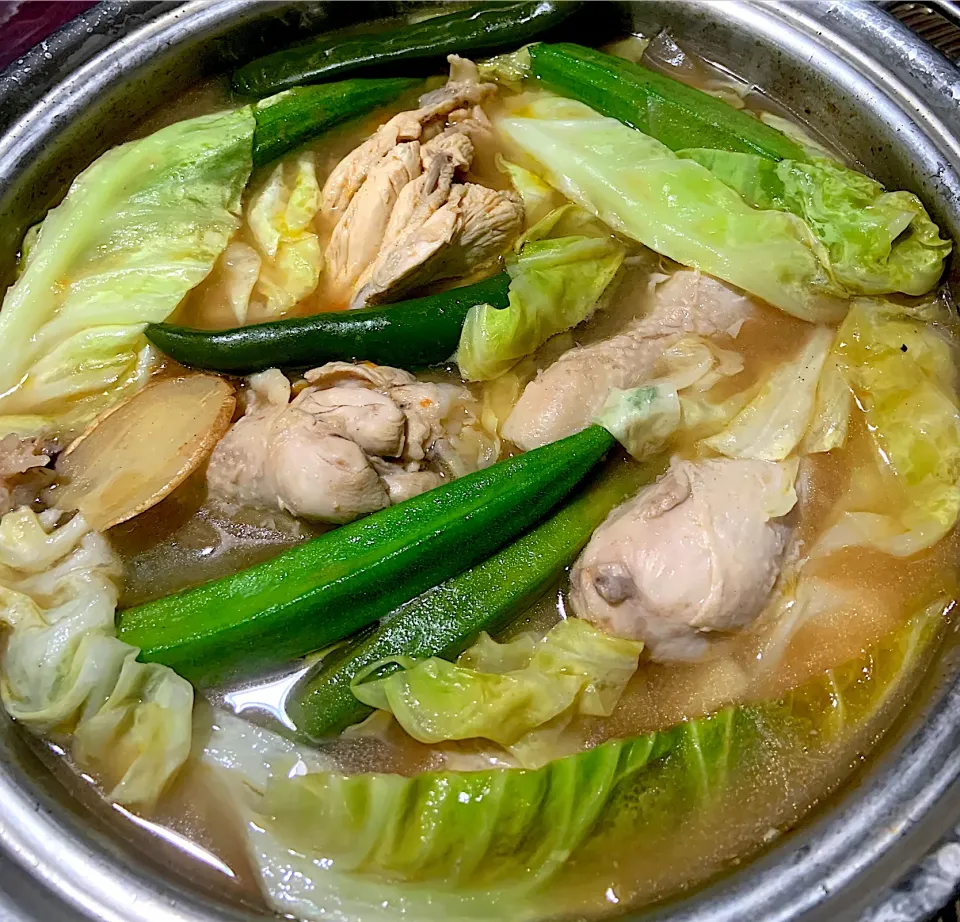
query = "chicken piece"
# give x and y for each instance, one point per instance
(427, 193)
(426, 407)
(366, 374)
(475, 125)
(402, 484)
(367, 417)
(18, 455)
(320, 476)
(402, 222)
(695, 553)
(279, 456)
(473, 228)
(354, 441)
(358, 236)
(463, 90)
(453, 147)
(349, 175)
(490, 221)
(462, 70)
(566, 396)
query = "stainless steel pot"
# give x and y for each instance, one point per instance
(887, 848)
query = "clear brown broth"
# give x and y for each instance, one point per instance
(186, 541)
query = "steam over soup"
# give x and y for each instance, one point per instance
(518, 493)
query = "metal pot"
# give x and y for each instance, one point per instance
(884, 849)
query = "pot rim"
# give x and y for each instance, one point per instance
(811, 870)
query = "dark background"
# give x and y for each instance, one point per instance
(25, 23)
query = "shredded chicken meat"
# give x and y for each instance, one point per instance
(404, 214)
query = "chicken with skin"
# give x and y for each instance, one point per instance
(566, 396)
(690, 558)
(357, 439)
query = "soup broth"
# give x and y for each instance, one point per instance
(192, 537)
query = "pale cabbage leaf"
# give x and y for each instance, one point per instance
(137, 230)
(831, 415)
(539, 198)
(696, 363)
(902, 371)
(773, 424)
(797, 133)
(555, 284)
(64, 674)
(642, 419)
(645, 419)
(280, 217)
(644, 191)
(506, 692)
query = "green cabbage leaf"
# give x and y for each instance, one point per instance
(65, 676)
(506, 692)
(496, 844)
(137, 230)
(642, 419)
(877, 242)
(675, 206)
(900, 364)
(554, 285)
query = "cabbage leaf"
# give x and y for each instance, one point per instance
(676, 206)
(280, 217)
(137, 230)
(877, 242)
(492, 845)
(275, 260)
(772, 425)
(554, 285)
(831, 415)
(64, 674)
(642, 419)
(902, 372)
(797, 134)
(509, 69)
(505, 692)
(539, 198)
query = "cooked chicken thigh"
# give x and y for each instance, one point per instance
(567, 395)
(402, 218)
(695, 553)
(354, 441)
